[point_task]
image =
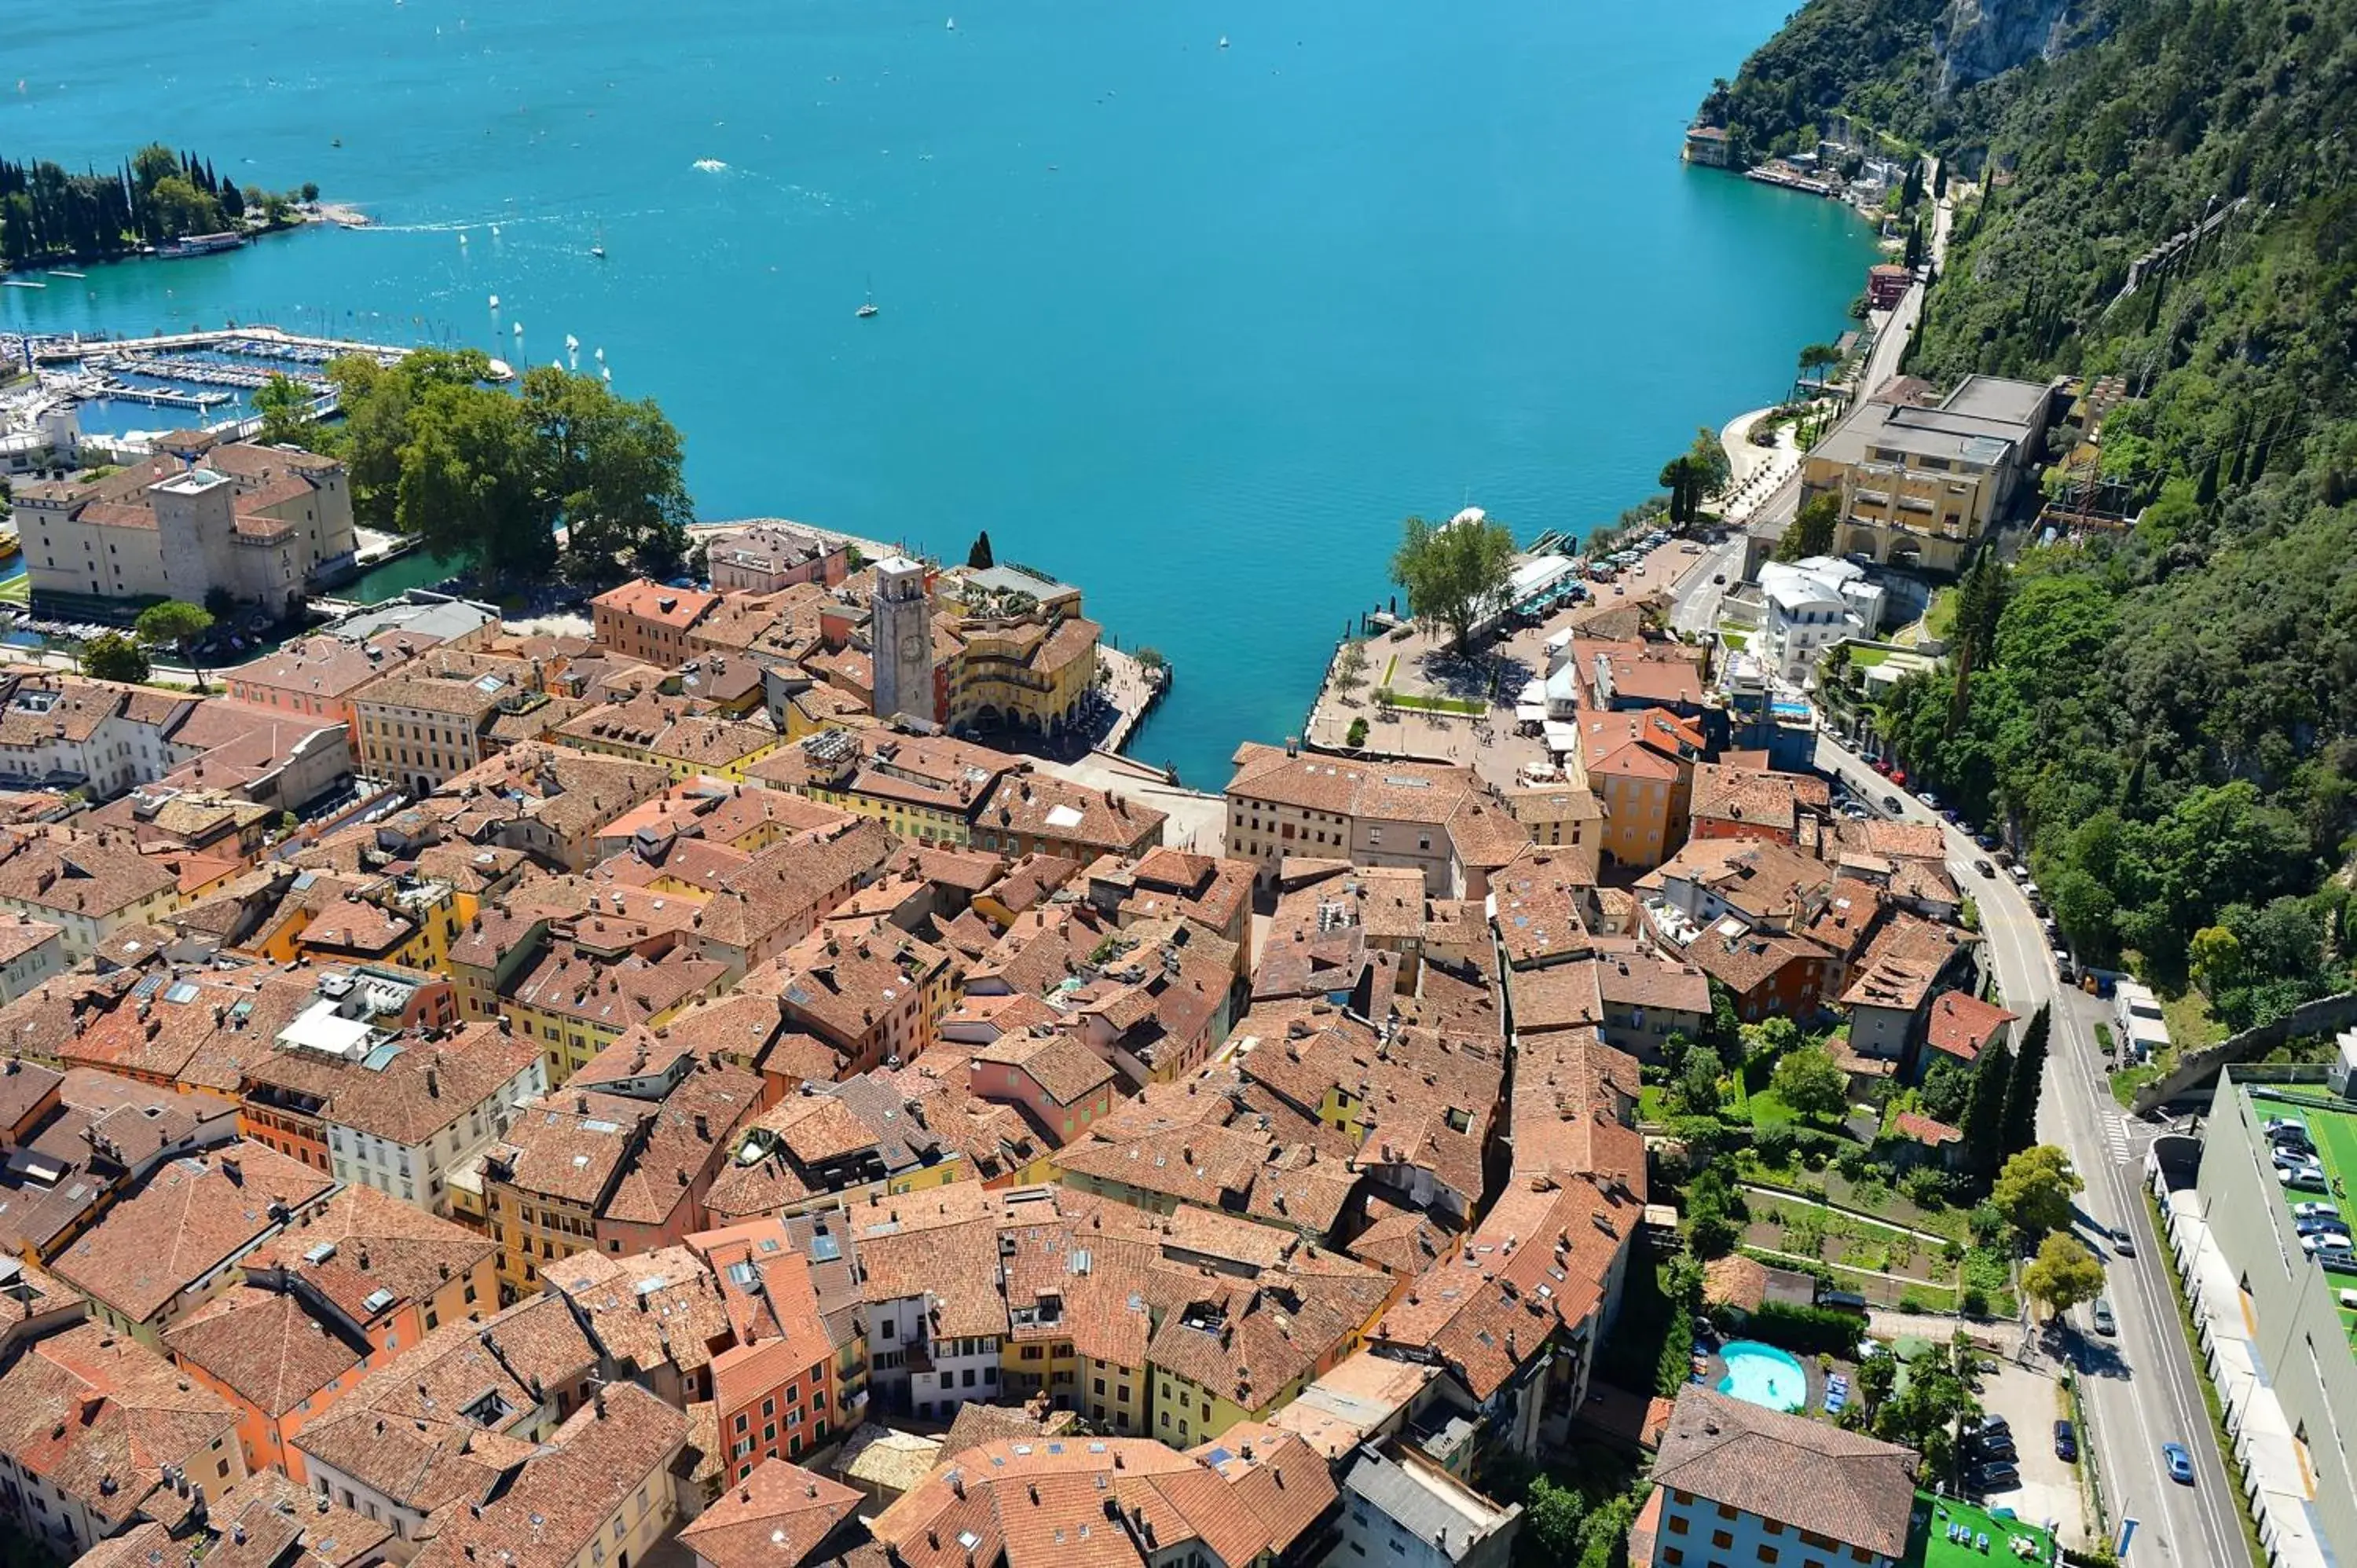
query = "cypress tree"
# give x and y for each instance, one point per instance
(2206, 492)
(2029, 1074)
(1983, 1126)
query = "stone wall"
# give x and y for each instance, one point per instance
(2325, 1015)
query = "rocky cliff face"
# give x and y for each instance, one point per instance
(1976, 39)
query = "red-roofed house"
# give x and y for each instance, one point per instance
(649, 622)
(1962, 1027)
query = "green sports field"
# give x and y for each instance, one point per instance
(2335, 1135)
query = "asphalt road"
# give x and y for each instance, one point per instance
(2139, 1389)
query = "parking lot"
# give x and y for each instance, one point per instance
(2048, 1494)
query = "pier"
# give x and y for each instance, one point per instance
(268, 343)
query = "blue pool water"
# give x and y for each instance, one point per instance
(1762, 1374)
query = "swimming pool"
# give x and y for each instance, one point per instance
(1762, 1374)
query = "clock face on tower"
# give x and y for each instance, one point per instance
(909, 646)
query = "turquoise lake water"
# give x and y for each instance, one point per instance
(1193, 328)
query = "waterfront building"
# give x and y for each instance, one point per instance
(1922, 484)
(264, 524)
(767, 554)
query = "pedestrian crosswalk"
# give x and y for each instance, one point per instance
(2118, 1137)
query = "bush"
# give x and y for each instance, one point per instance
(1854, 1163)
(1774, 1146)
(1806, 1330)
(1972, 1302)
(1924, 1188)
(1358, 734)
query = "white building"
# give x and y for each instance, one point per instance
(2139, 1029)
(400, 1114)
(1811, 606)
(929, 1375)
(31, 951)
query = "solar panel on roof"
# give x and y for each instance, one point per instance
(183, 992)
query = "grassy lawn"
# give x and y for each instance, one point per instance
(1868, 657)
(17, 590)
(2190, 1025)
(1432, 704)
(1767, 1109)
(1928, 1542)
(2128, 1080)
(1940, 617)
(1733, 638)
(1652, 1104)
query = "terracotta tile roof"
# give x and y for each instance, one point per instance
(87, 875)
(264, 1522)
(1925, 1130)
(548, 1514)
(266, 1347)
(1641, 979)
(1962, 1024)
(647, 600)
(1801, 1472)
(1561, 996)
(322, 667)
(1034, 1503)
(1756, 798)
(191, 1216)
(1907, 958)
(98, 1416)
(1058, 1063)
(1539, 1262)
(1042, 806)
(364, 1242)
(1573, 1098)
(440, 1421)
(775, 1518)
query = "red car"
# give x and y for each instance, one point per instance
(1899, 776)
(1882, 765)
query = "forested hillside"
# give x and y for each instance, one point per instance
(2171, 713)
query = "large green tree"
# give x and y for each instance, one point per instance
(1811, 531)
(609, 471)
(2064, 1274)
(467, 484)
(1455, 572)
(2034, 1191)
(176, 625)
(1810, 1081)
(286, 410)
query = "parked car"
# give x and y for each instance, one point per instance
(2104, 1322)
(2317, 1224)
(1928, 799)
(1899, 776)
(2303, 1178)
(2066, 1443)
(2339, 1259)
(1883, 765)
(1995, 1445)
(1988, 1424)
(2179, 1462)
(2326, 1240)
(1997, 1475)
(2315, 1211)
(1985, 841)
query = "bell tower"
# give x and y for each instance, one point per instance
(900, 634)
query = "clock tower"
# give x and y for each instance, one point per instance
(900, 638)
